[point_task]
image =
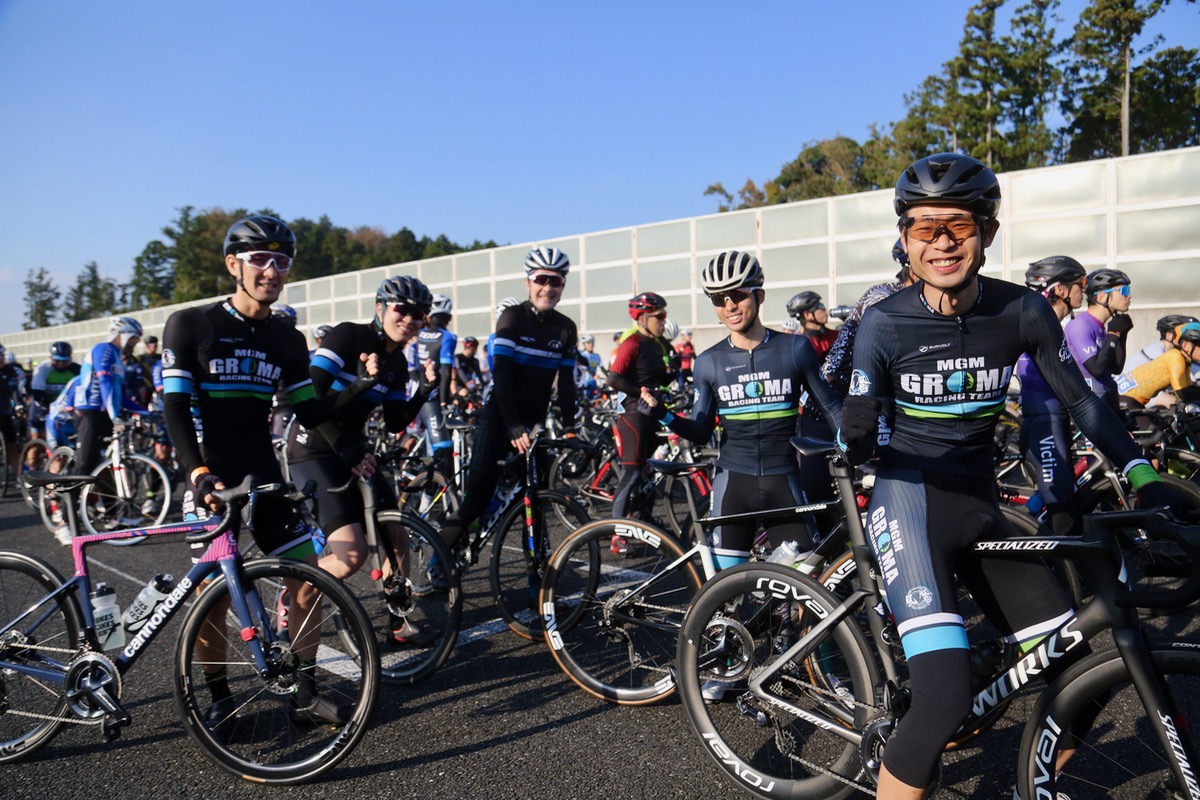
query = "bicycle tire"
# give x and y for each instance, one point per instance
(735, 628)
(5, 469)
(1120, 756)
(102, 509)
(514, 587)
(24, 581)
(38, 451)
(61, 459)
(438, 614)
(614, 644)
(263, 743)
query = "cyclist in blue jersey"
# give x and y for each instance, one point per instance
(226, 360)
(931, 371)
(753, 381)
(534, 347)
(437, 343)
(100, 395)
(1045, 429)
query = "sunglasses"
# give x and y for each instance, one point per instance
(553, 281)
(409, 310)
(262, 259)
(928, 230)
(658, 315)
(1121, 290)
(736, 296)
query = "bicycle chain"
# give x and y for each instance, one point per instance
(73, 720)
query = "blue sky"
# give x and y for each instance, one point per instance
(510, 121)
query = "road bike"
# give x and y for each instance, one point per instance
(55, 669)
(394, 585)
(822, 678)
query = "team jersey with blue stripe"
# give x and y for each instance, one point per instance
(943, 379)
(227, 368)
(334, 369)
(531, 349)
(756, 394)
(101, 380)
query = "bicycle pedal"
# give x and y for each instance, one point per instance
(111, 726)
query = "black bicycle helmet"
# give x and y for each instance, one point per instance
(1041, 275)
(1172, 321)
(404, 289)
(321, 331)
(898, 253)
(805, 301)
(949, 179)
(61, 351)
(260, 233)
(731, 270)
(1104, 279)
(645, 303)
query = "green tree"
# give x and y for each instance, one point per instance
(823, 169)
(1099, 72)
(153, 280)
(92, 296)
(195, 244)
(41, 300)
(1166, 101)
(973, 99)
(1031, 78)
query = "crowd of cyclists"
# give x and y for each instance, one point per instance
(913, 382)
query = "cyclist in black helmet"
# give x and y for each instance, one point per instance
(363, 364)
(1045, 426)
(931, 370)
(807, 309)
(228, 358)
(1097, 337)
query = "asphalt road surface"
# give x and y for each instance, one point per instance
(499, 720)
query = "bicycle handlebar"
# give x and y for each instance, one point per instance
(245, 493)
(1159, 524)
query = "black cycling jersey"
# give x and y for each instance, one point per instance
(334, 369)
(756, 393)
(470, 373)
(230, 366)
(531, 349)
(943, 380)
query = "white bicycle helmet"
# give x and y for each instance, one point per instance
(507, 302)
(442, 304)
(670, 329)
(127, 325)
(548, 258)
(731, 270)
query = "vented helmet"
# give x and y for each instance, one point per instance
(731, 270)
(442, 304)
(260, 233)
(1171, 322)
(548, 258)
(60, 351)
(805, 301)
(1103, 280)
(645, 303)
(949, 179)
(1041, 275)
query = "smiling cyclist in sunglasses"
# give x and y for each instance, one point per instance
(534, 345)
(1097, 338)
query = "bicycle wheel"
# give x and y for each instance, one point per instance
(264, 742)
(4, 467)
(48, 637)
(142, 499)
(435, 615)
(675, 500)
(612, 621)
(1120, 756)
(740, 623)
(61, 459)
(34, 456)
(515, 582)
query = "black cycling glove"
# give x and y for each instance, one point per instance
(1120, 324)
(860, 423)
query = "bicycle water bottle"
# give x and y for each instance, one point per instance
(785, 554)
(107, 617)
(143, 606)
